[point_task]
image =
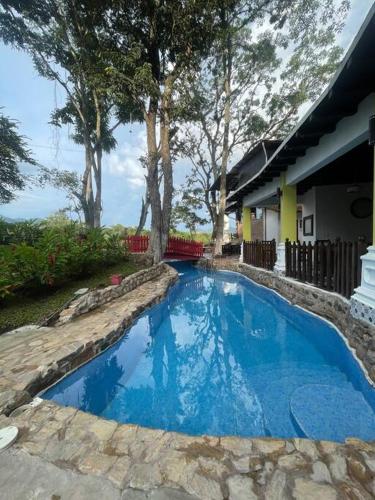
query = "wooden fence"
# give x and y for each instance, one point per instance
(229, 249)
(260, 253)
(334, 266)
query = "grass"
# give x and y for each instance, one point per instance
(17, 310)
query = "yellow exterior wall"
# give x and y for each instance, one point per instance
(288, 211)
(246, 223)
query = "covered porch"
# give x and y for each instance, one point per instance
(316, 191)
(320, 219)
(320, 226)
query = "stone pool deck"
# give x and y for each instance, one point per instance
(63, 453)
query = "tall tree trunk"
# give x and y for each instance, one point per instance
(211, 205)
(96, 158)
(87, 192)
(166, 161)
(144, 213)
(227, 64)
(98, 183)
(153, 185)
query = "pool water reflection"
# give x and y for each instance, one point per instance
(222, 355)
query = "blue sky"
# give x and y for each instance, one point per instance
(30, 99)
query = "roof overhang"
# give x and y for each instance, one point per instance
(352, 83)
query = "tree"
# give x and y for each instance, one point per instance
(151, 45)
(253, 85)
(64, 41)
(186, 211)
(13, 151)
(71, 183)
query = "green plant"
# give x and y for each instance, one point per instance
(28, 231)
(20, 266)
(62, 253)
(115, 248)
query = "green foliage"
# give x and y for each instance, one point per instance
(186, 211)
(12, 152)
(61, 253)
(20, 266)
(31, 308)
(28, 232)
(271, 73)
(202, 236)
(57, 219)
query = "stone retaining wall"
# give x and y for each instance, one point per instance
(142, 259)
(101, 296)
(334, 307)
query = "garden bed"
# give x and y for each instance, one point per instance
(19, 310)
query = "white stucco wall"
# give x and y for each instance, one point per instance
(350, 132)
(333, 217)
(271, 225)
(308, 203)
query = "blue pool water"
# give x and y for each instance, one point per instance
(222, 355)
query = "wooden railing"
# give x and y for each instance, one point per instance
(137, 244)
(175, 246)
(334, 266)
(229, 249)
(180, 246)
(260, 253)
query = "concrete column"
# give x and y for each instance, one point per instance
(246, 224)
(246, 228)
(288, 221)
(362, 302)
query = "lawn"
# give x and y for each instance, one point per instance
(17, 311)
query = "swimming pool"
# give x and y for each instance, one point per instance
(222, 355)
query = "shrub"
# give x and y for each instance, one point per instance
(21, 266)
(28, 232)
(61, 253)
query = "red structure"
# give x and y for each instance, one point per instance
(137, 244)
(177, 248)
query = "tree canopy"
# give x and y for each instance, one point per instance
(208, 78)
(271, 58)
(13, 152)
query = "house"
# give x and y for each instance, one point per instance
(316, 188)
(246, 168)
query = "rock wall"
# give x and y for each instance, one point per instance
(142, 259)
(334, 307)
(101, 296)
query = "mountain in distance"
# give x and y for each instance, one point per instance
(10, 220)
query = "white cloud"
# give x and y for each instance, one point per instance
(123, 165)
(125, 162)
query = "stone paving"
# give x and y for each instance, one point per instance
(63, 446)
(63, 453)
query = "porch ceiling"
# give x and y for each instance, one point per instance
(354, 167)
(353, 82)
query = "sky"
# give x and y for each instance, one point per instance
(30, 99)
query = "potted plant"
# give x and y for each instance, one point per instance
(116, 279)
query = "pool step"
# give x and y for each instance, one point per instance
(276, 382)
(324, 411)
